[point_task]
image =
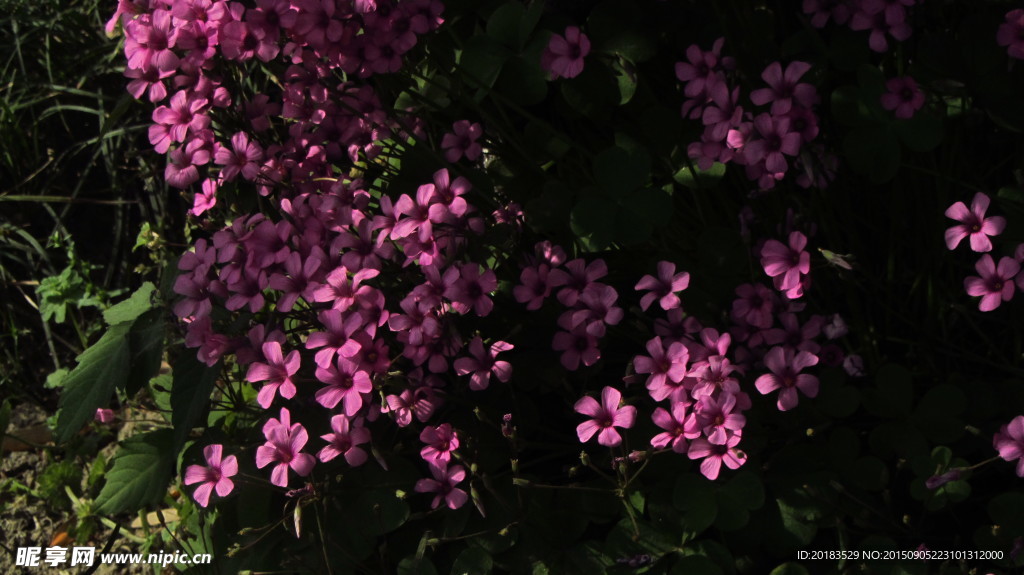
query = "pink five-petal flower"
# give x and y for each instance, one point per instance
(1009, 442)
(996, 284)
(1011, 33)
(484, 363)
(347, 435)
(441, 442)
(664, 287)
(284, 447)
(715, 455)
(346, 384)
(903, 97)
(784, 87)
(443, 484)
(787, 263)
(214, 477)
(277, 373)
(462, 141)
(563, 56)
(785, 366)
(973, 224)
(606, 415)
(667, 367)
(673, 424)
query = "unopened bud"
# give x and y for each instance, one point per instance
(937, 481)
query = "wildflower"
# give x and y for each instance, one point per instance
(441, 442)
(667, 367)
(996, 284)
(277, 372)
(462, 141)
(785, 88)
(787, 263)
(606, 417)
(214, 477)
(903, 97)
(664, 287)
(674, 425)
(1011, 33)
(786, 366)
(444, 482)
(715, 455)
(776, 142)
(347, 435)
(484, 363)
(716, 418)
(973, 224)
(285, 441)
(1009, 442)
(346, 384)
(563, 56)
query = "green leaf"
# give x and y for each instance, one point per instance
(473, 561)
(529, 21)
(142, 467)
(747, 488)
(619, 172)
(416, 566)
(790, 568)
(695, 497)
(873, 151)
(190, 394)
(379, 511)
(101, 369)
(593, 222)
(893, 395)
(481, 62)
(522, 81)
(846, 105)
(146, 342)
(1007, 511)
(696, 178)
(139, 303)
(625, 75)
(869, 473)
(593, 92)
(921, 133)
(504, 23)
(56, 379)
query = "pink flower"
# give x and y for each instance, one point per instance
(462, 141)
(973, 224)
(673, 424)
(563, 56)
(284, 447)
(903, 97)
(205, 199)
(347, 435)
(484, 363)
(996, 284)
(1009, 442)
(784, 88)
(606, 417)
(345, 383)
(715, 455)
(787, 263)
(444, 482)
(786, 366)
(468, 288)
(277, 373)
(754, 305)
(717, 419)
(441, 442)
(664, 366)
(214, 477)
(243, 157)
(1011, 33)
(104, 415)
(578, 344)
(664, 287)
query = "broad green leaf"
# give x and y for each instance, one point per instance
(1007, 511)
(416, 566)
(141, 469)
(101, 369)
(379, 511)
(146, 342)
(696, 178)
(594, 92)
(473, 561)
(190, 394)
(695, 497)
(504, 23)
(593, 222)
(893, 394)
(921, 133)
(139, 303)
(746, 486)
(529, 21)
(869, 473)
(482, 60)
(522, 81)
(620, 172)
(846, 106)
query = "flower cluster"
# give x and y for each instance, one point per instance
(763, 141)
(995, 283)
(883, 19)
